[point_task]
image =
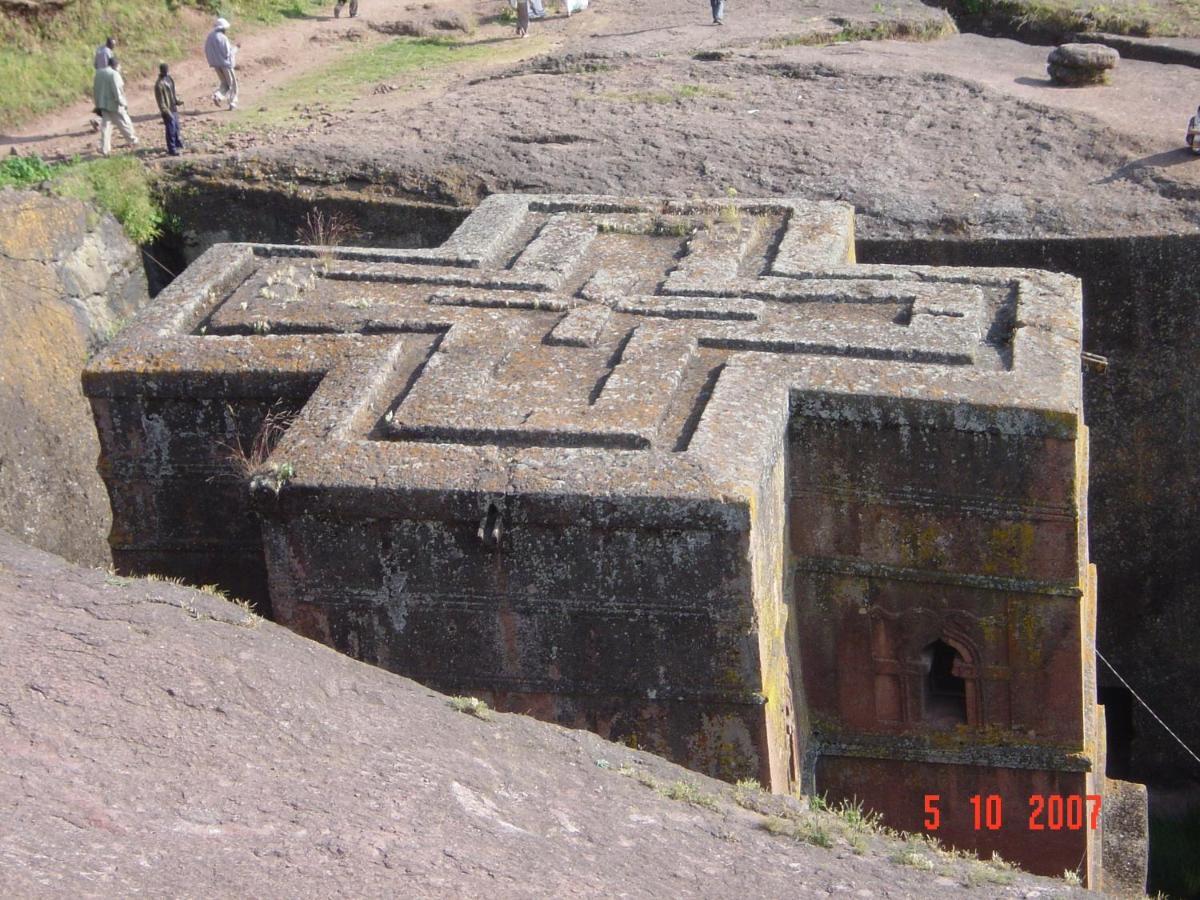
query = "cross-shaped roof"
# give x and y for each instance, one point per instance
(601, 348)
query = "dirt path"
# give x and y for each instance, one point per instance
(268, 57)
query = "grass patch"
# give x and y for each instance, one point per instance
(1060, 18)
(687, 792)
(249, 617)
(471, 706)
(120, 185)
(659, 227)
(808, 831)
(913, 858)
(978, 874)
(46, 58)
(342, 81)
(683, 791)
(856, 818)
(885, 30)
(22, 171)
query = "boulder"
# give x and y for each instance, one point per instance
(1081, 64)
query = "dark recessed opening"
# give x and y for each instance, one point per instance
(1118, 727)
(945, 691)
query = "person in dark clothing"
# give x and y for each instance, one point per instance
(168, 107)
(337, 9)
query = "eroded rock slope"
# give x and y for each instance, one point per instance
(156, 739)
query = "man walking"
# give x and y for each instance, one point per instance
(337, 8)
(718, 11)
(100, 61)
(168, 108)
(221, 54)
(108, 88)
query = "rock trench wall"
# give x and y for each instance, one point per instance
(214, 211)
(1140, 311)
(68, 278)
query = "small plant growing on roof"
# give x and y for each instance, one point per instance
(246, 460)
(729, 214)
(326, 232)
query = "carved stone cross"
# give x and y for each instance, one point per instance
(680, 472)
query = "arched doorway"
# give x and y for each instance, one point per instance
(944, 689)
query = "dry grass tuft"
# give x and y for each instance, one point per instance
(245, 461)
(327, 230)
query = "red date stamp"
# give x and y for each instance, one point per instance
(1046, 812)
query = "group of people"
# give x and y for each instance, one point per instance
(108, 90)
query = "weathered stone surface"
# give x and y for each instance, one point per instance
(155, 740)
(1085, 56)
(679, 472)
(68, 276)
(1126, 836)
(1080, 64)
(1143, 489)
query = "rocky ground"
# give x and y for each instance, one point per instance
(962, 136)
(915, 152)
(155, 739)
(958, 136)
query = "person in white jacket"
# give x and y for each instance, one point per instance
(221, 55)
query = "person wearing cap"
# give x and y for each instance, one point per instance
(221, 53)
(168, 108)
(108, 88)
